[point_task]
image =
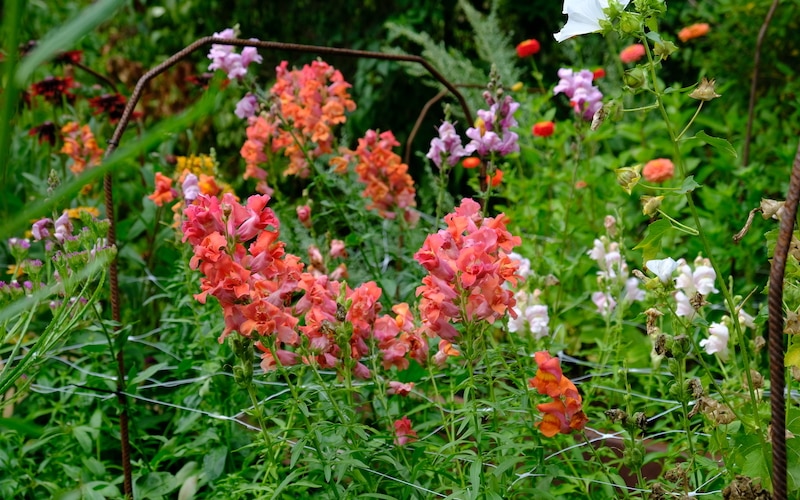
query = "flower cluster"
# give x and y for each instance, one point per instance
(223, 56)
(81, 146)
(564, 413)
(388, 183)
(492, 131)
(585, 98)
(468, 264)
(55, 89)
(244, 266)
(399, 337)
(446, 148)
(196, 175)
(307, 103)
(693, 286)
(613, 273)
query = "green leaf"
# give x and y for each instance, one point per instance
(689, 184)
(792, 357)
(214, 462)
(65, 37)
(651, 244)
(154, 485)
(715, 142)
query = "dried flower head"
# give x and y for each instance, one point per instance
(704, 91)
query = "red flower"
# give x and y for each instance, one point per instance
(46, 132)
(111, 104)
(403, 432)
(54, 89)
(69, 57)
(543, 129)
(528, 48)
(599, 73)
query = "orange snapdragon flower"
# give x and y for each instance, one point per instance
(564, 413)
(164, 192)
(81, 146)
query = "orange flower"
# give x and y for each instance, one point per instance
(164, 192)
(658, 170)
(496, 179)
(632, 53)
(563, 414)
(543, 129)
(81, 146)
(528, 48)
(471, 162)
(693, 31)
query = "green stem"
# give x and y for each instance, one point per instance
(708, 251)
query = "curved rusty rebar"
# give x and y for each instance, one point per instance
(108, 180)
(751, 105)
(776, 349)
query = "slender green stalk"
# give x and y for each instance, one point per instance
(678, 157)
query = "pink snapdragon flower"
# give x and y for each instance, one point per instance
(585, 98)
(717, 341)
(247, 106)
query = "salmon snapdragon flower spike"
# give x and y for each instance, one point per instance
(306, 105)
(244, 266)
(81, 146)
(693, 31)
(389, 186)
(468, 264)
(564, 413)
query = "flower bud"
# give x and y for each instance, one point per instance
(628, 177)
(651, 204)
(634, 78)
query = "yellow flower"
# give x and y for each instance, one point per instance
(75, 213)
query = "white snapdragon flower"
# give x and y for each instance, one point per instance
(584, 16)
(537, 320)
(632, 291)
(524, 269)
(717, 342)
(662, 268)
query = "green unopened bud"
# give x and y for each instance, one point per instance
(628, 177)
(239, 376)
(663, 49)
(634, 78)
(680, 346)
(634, 456)
(630, 23)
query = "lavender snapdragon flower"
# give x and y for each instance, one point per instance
(585, 98)
(446, 147)
(247, 106)
(190, 188)
(492, 132)
(223, 56)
